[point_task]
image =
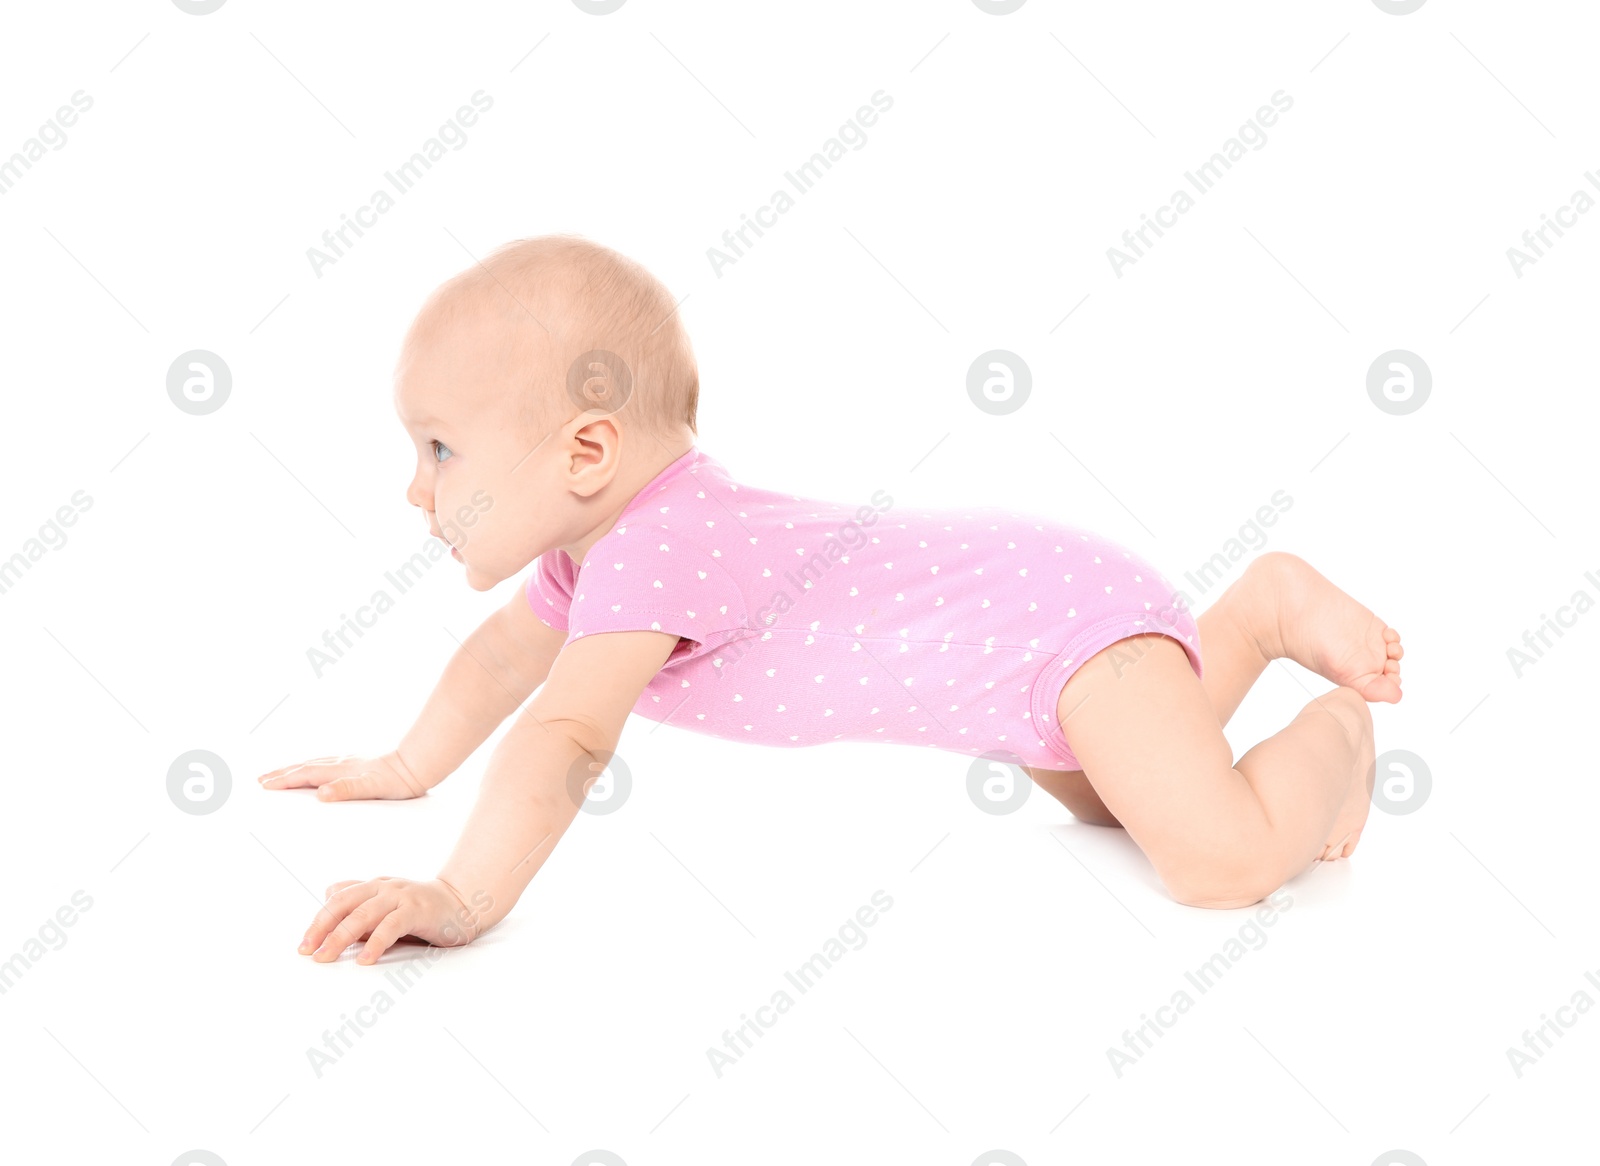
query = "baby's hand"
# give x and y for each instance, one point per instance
(339, 779)
(386, 909)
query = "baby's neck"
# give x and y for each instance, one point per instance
(650, 456)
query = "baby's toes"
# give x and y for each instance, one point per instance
(1385, 687)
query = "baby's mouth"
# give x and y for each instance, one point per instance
(440, 536)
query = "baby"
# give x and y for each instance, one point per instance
(550, 392)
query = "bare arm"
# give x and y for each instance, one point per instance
(531, 791)
(493, 672)
(541, 771)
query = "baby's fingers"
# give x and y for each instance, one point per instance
(316, 772)
(395, 924)
(357, 924)
(340, 904)
(352, 787)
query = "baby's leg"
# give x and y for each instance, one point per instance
(1072, 789)
(1282, 607)
(1232, 643)
(1235, 655)
(1219, 835)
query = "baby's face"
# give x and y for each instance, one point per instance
(459, 392)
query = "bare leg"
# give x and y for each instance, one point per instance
(1234, 660)
(1219, 835)
(1230, 645)
(1279, 607)
(1072, 789)
(1282, 607)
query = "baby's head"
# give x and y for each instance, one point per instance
(541, 387)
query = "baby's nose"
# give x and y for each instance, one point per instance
(416, 494)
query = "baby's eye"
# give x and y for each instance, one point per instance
(441, 451)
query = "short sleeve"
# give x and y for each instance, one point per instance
(641, 578)
(550, 587)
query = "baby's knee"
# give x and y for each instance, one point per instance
(1350, 711)
(1222, 881)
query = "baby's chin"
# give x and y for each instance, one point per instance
(480, 580)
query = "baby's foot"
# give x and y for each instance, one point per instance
(1347, 706)
(1299, 614)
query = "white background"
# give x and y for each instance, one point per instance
(1230, 362)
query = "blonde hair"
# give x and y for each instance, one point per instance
(570, 301)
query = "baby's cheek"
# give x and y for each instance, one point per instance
(498, 544)
(463, 522)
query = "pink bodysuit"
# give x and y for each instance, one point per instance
(804, 622)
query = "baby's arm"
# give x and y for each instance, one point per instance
(527, 800)
(493, 672)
